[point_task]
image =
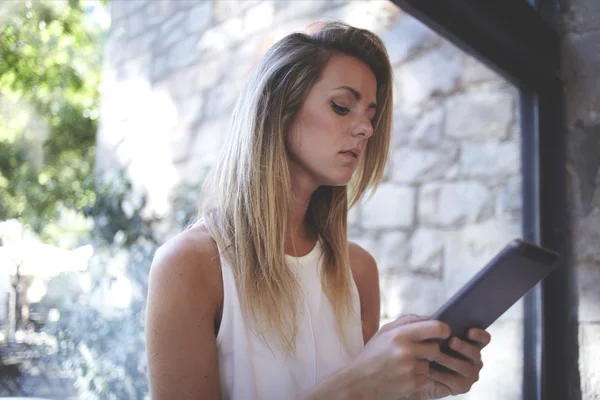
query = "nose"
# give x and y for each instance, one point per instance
(363, 128)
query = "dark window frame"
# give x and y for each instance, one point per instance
(519, 40)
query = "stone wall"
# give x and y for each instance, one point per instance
(451, 198)
(581, 63)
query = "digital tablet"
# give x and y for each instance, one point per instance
(492, 291)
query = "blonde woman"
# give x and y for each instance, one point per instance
(264, 297)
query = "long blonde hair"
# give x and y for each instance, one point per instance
(249, 188)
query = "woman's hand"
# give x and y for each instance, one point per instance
(466, 372)
(393, 364)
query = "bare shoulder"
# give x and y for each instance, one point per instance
(188, 248)
(189, 259)
(361, 261)
(184, 296)
(366, 277)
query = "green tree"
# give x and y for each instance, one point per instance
(50, 71)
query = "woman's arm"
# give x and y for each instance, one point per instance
(184, 291)
(366, 276)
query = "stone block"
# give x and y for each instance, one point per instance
(186, 5)
(172, 31)
(118, 9)
(199, 17)
(468, 249)
(490, 159)
(216, 40)
(422, 165)
(141, 46)
(427, 252)
(134, 6)
(258, 18)
(183, 53)
(242, 61)
(118, 36)
(589, 367)
(428, 131)
(369, 242)
(502, 374)
(391, 206)
(288, 10)
(588, 287)
(408, 37)
(402, 124)
(221, 99)
(404, 293)
(160, 68)
(226, 9)
(158, 10)
(371, 15)
(581, 57)
(393, 252)
(207, 73)
(435, 72)
(136, 24)
(479, 115)
(450, 204)
(477, 72)
(509, 202)
(190, 109)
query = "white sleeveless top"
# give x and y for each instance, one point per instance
(249, 370)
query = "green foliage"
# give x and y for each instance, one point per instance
(50, 71)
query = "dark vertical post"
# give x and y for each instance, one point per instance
(532, 303)
(559, 342)
(520, 40)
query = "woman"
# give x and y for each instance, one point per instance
(264, 298)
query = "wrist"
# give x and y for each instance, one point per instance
(419, 396)
(340, 386)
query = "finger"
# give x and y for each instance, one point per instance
(407, 319)
(471, 351)
(456, 384)
(426, 330)
(461, 367)
(429, 351)
(422, 368)
(480, 336)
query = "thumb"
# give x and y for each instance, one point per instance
(409, 319)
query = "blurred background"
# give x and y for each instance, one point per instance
(111, 113)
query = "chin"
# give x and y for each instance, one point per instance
(339, 180)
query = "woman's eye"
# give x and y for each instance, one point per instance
(339, 109)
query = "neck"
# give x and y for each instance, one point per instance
(299, 232)
(298, 210)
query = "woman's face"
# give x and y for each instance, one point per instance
(330, 132)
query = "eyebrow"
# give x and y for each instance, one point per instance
(357, 95)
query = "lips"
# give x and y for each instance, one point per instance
(352, 152)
